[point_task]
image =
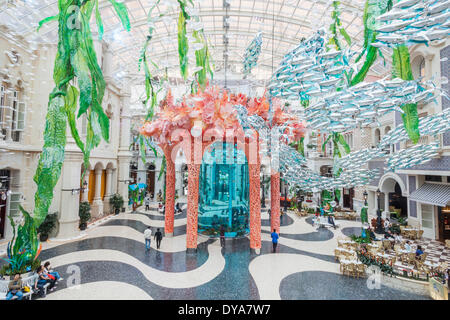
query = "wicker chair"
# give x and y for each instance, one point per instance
(411, 258)
(419, 234)
(351, 269)
(337, 253)
(404, 258)
(423, 257)
(386, 245)
(360, 270)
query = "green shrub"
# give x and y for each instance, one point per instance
(84, 212)
(116, 201)
(359, 239)
(47, 225)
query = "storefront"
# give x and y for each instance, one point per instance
(444, 223)
(434, 209)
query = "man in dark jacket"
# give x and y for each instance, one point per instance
(14, 288)
(158, 237)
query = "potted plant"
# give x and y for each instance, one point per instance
(116, 202)
(85, 214)
(47, 226)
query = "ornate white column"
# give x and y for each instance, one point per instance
(386, 203)
(108, 191)
(97, 206)
(124, 154)
(69, 204)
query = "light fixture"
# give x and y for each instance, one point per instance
(365, 194)
(378, 192)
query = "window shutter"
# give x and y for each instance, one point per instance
(14, 204)
(20, 119)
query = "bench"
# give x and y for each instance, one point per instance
(29, 281)
(323, 222)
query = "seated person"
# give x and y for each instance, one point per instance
(408, 246)
(41, 280)
(15, 288)
(398, 238)
(419, 252)
(388, 235)
(331, 221)
(51, 273)
(372, 234)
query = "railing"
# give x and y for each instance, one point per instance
(422, 140)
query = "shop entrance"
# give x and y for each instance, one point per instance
(444, 223)
(4, 187)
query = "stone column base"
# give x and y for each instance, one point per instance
(191, 250)
(68, 229)
(169, 235)
(255, 251)
(97, 209)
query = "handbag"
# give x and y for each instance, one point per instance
(51, 277)
(26, 289)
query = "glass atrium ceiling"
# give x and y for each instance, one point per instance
(282, 22)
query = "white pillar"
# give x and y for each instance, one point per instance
(85, 197)
(97, 205)
(69, 205)
(386, 201)
(108, 191)
(124, 154)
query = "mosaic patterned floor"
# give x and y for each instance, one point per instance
(111, 263)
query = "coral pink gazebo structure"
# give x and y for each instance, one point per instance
(192, 126)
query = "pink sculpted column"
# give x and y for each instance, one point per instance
(255, 208)
(275, 201)
(192, 209)
(170, 192)
(255, 202)
(192, 199)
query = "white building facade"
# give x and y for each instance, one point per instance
(26, 80)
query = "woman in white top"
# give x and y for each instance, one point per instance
(407, 246)
(148, 237)
(386, 225)
(398, 238)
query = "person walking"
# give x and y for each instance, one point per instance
(222, 236)
(148, 237)
(158, 237)
(147, 203)
(275, 237)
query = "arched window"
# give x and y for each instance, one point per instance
(377, 136)
(418, 67)
(389, 148)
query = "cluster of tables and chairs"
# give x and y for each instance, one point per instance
(345, 253)
(397, 255)
(411, 232)
(346, 215)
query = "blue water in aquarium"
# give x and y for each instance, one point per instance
(224, 191)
